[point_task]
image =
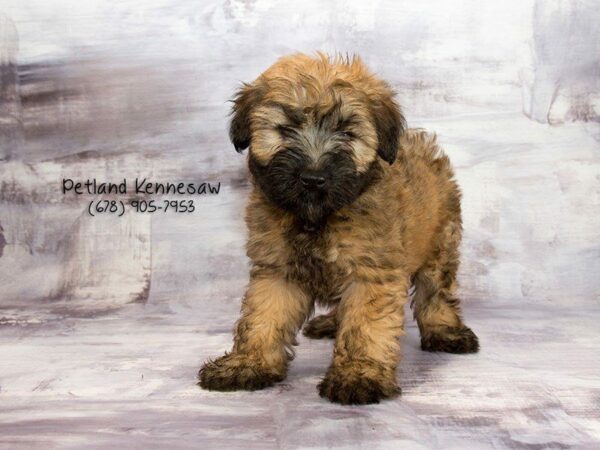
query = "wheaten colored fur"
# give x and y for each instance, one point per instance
(404, 228)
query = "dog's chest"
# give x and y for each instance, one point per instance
(314, 264)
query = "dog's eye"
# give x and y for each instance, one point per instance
(286, 131)
(348, 134)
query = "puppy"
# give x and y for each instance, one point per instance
(348, 209)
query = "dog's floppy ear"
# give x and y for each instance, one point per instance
(390, 125)
(246, 98)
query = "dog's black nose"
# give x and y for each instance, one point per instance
(312, 180)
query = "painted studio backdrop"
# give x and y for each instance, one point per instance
(106, 318)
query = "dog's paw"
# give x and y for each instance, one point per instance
(321, 327)
(358, 384)
(236, 372)
(450, 340)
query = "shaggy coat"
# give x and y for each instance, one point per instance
(348, 209)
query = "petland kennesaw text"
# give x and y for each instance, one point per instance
(140, 186)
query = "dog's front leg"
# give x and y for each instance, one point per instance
(272, 312)
(367, 347)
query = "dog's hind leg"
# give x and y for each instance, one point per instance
(322, 327)
(436, 306)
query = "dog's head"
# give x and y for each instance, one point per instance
(317, 130)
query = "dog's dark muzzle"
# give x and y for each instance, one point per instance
(291, 181)
(313, 180)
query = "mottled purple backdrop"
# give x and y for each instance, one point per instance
(105, 320)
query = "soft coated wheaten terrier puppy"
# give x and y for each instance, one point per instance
(348, 209)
